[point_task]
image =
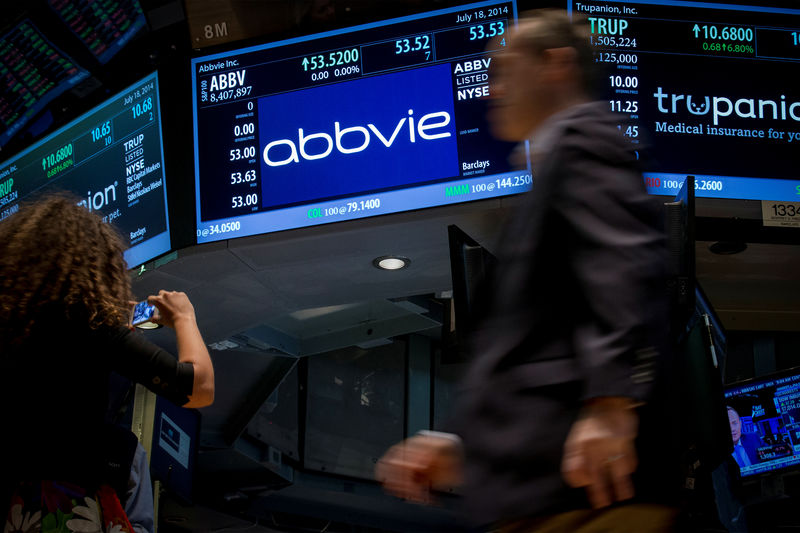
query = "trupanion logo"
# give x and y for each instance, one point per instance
(100, 199)
(720, 106)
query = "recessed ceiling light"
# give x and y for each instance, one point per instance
(391, 262)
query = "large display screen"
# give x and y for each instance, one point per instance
(374, 119)
(33, 72)
(103, 26)
(112, 159)
(711, 88)
(764, 415)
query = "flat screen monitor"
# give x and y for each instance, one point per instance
(709, 87)
(374, 119)
(112, 159)
(33, 72)
(105, 27)
(768, 413)
(176, 431)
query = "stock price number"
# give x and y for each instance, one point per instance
(248, 152)
(102, 132)
(419, 43)
(629, 131)
(624, 106)
(140, 108)
(60, 155)
(244, 129)
(726, 33)
(708, 185)
(248, 200)
(220, 228)
(363, 205)
(333, 59)
(514, 181)
(626, 82)
(487, 31)
(247, 177)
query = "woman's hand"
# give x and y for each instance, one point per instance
(176, 311)
(173, 306)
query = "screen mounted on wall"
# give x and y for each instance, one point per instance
(710, 88)
(375, 119)
(111, 158)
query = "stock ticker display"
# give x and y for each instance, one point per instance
(103, 26)
(712, 89)
(374, 119)
(33, 72)
(111, 158)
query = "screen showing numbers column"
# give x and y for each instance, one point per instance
(111, 158)
(374, 119)
(712, 88)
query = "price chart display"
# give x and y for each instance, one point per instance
(111, 159)
(711, 89)
(374, 119)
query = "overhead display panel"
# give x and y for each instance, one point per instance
(111, 158)
(33, 72)
(711, 89)
(103, 26)
(374, 119)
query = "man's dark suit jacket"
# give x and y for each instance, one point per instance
(750, 442)
(578, 311)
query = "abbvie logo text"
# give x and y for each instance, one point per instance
(357, 138)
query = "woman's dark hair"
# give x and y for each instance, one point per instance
(58, 261)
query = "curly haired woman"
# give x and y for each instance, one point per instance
(64, 308)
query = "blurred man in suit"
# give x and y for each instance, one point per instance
(564, 364)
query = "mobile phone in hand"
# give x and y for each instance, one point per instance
(142, 314)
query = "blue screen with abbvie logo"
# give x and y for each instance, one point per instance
(399, 127)
(379, 118)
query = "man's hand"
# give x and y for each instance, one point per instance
(599, 452)
(413, 467)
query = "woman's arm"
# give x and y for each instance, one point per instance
(176, 311)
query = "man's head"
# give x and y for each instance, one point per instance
(736, 424)
(545, 66)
